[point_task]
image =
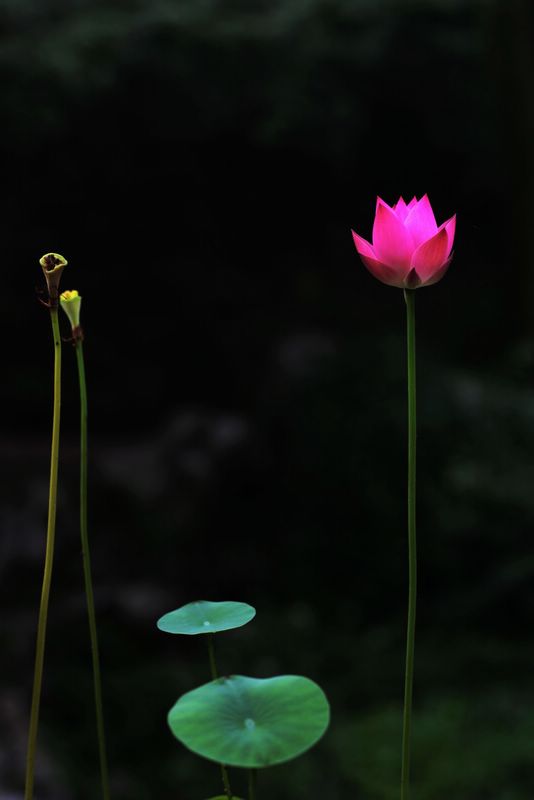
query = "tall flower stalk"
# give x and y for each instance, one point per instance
(52, 265)
(409, 251)
(70, 303)
(409, 295)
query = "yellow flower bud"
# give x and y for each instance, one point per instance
(70, 302)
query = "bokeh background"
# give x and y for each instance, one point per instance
(200, 163)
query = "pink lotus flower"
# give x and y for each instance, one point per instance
(408, 250)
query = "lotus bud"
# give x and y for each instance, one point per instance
(408, 249)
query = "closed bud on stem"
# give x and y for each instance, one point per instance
(408, 249)
(71, 302)
(53, 265)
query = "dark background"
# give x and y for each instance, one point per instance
(200, 164)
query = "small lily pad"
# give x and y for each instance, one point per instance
(206, 616)
(251, 722)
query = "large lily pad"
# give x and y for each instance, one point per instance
(251, 722)
(206, 616)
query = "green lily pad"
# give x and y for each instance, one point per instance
(206, 616)
(251, 722)
(224, 797)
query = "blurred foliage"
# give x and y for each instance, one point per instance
(469, 750)
(301, 512)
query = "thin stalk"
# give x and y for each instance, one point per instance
(252, 775)
(49, 560)
(215, 675)
(409, 295)
(87, 574)
(211, 652)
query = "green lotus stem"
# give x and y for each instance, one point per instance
(409, 295)
(252, 775)
(87, 573)
(215, 675)
(49, 560)
(211, 652)
(226, 782)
